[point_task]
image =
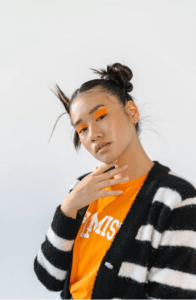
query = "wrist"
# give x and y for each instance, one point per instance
(67, 207)
(68, 213)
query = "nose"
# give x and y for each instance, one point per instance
(95, 132)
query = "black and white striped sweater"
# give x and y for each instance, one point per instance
(153, 254)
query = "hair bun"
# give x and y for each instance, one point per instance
(119, 73)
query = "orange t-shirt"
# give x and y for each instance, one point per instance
(100, 224)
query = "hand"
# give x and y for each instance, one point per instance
(90, 187)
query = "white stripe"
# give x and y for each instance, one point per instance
(52, 270)
(188, 201)
(177, 175)
(58, 242)
(74, 183)
(152, 298)
(168, 197)
(173, 278)
(133, 271)
(59, 297)
(149, 233)
(186, 238)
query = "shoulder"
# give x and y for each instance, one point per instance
(180, 225)
(174, 190)
(174, 210)
(178, 179)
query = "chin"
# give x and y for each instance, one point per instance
(108, 161)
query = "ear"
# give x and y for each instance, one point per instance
(132, 111)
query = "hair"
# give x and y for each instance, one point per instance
(115, 81)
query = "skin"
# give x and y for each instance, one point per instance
(116, 127)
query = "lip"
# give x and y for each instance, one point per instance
(104, 148)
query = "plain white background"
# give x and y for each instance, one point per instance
(47, 42)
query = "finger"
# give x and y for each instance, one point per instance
(103, 168)
(110, 173)
(108, 193)
(111, 182)
(111, 168)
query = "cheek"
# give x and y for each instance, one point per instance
(120, 129)
(115, 126)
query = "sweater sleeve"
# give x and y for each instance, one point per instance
(54, 257)
(173, 274)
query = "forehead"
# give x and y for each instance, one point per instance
(82, 104)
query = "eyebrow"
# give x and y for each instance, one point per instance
(90, 112)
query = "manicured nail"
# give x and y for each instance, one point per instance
(125, 166)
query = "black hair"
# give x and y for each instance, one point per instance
(115, 81)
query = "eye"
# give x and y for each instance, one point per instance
(82, 129)
(102, 116)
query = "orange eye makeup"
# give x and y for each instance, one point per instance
(80, 127)
(98, 113)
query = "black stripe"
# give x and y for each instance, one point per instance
(177, 258)
(183, 187)
(162, 291)
(183, 218)
(157, 215)
(56, 257)
(61, 222)
(46, 279)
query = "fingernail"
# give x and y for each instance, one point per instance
(125, 166)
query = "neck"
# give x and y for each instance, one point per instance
(138, 161)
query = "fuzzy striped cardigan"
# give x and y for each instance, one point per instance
(153, 255)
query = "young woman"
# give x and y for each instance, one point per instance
(127, 230)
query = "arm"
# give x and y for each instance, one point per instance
(173, 274)
(54, 257)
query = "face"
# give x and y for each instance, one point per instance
(100, 118)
